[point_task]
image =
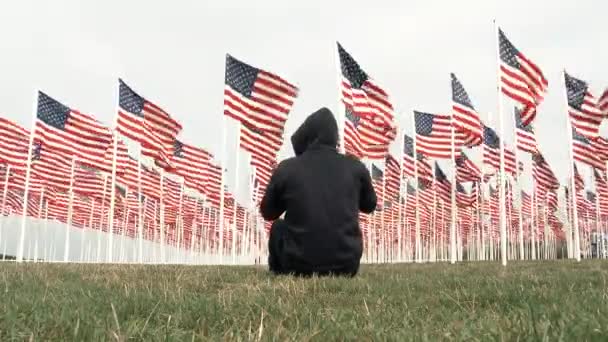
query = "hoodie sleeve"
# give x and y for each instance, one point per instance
(367, 197)
(273, 202)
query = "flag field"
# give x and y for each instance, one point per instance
(553, 300)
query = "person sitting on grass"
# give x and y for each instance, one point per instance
(321, 193)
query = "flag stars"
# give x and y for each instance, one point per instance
(240, 76)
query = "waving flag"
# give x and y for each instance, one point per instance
(257, 98)
(425, 171)
(466, 118)
(466, 170)
(434, 136)
(584, 152)
(585, 116)
(491, 152)
(146, 123)
(364, 140)
(602, 102)
(442, 184)
(14, 142)
(263, 144)
(191, 163)
(70, 133)
(521, 79)
(362, 94)
(393, 178)
(526, 139)
(542, 173)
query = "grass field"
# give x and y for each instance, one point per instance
(472, 301)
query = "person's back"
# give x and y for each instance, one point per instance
(321, 192)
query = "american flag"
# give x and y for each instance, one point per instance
(491, 152)
(122, 155)
(584, 152)
(362, 94)
(542, 173)
(378, 183)
(425, 171)
(526, 139)
(364, 140)
(602, 190)
(521, 79)
(260, 143)
(579, 182)
(434, 136)
(14, 142)
(257, 98)
(442, 184)
(463, 198)
(600, 146)
(466, 170)
(585, 116)
(393, 179)
(146, 123)
(466, 118)
(602, 102)
(263, 171)
(71, 133)
(526, 204)
(191, 163)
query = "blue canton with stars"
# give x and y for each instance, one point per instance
(408, 147)
(576, 91)
(424, 123)
(459, 95)
(439, 174)
(461, 159)
(490, 138)
(129, 100)
(460, 188)
(52, 112)
(578, 137)
(376, 173)
(178, 149)
(354, 119)
(351, 69)
(508, 52)
(240, 76)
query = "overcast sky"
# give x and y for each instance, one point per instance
(173, 53)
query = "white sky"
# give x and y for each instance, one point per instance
(173, 53)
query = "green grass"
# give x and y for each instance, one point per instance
(471, 301)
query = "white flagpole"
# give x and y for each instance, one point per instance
(66, 250)
(341, 115)
(44, 228)
(180, 225)
(222, 184)
(28, 170)
(140, 212)
(4, 194)
(400, 206)
(236, 186)
(417, 228)
(101, 217)
(162, 218)
(577, 242)
(453, 248)
(519, 188)
(39, 218)
(502, 199)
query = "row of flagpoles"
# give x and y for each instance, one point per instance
(72, 169)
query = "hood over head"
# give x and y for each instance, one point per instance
(319, 128)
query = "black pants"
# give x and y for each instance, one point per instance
(279, 263)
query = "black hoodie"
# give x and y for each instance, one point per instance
(321, 192)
